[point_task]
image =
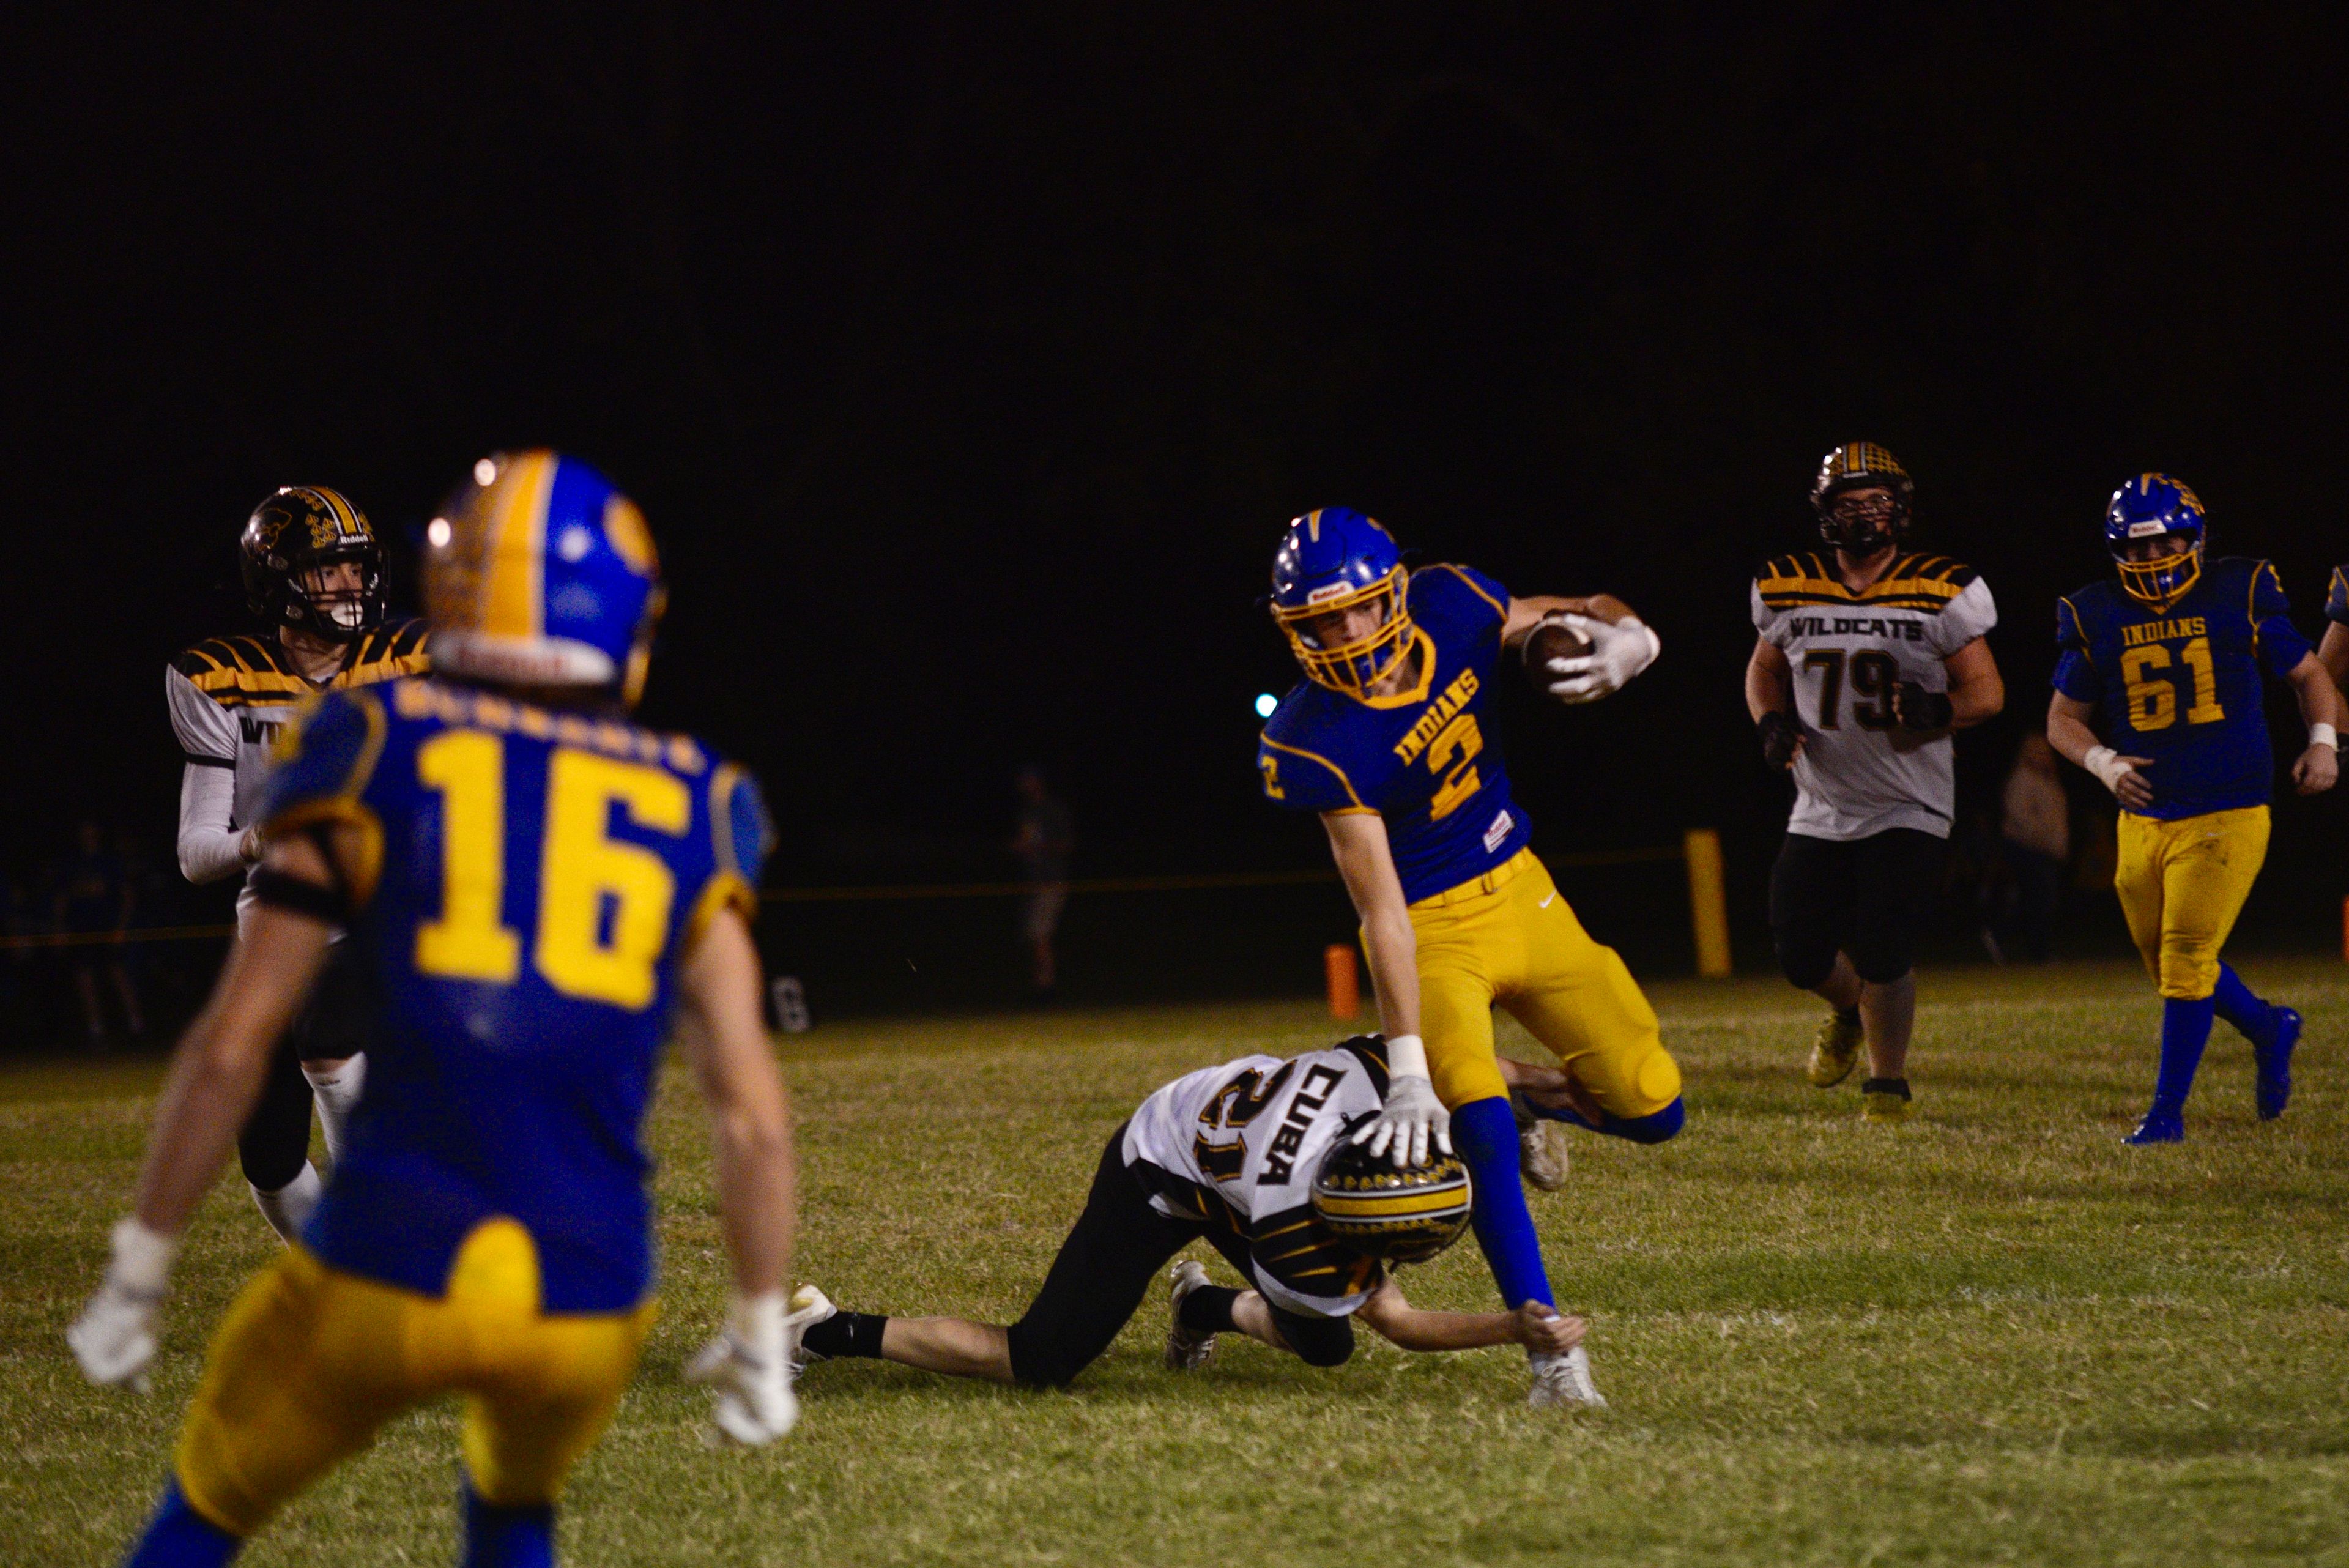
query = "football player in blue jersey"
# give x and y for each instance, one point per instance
(1387, 741)
(2158, 693)
(537, 888)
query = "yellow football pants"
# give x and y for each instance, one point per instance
(312, 1362)
(2182, 884)
(1508, 938)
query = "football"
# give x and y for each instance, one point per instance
(1548, 641)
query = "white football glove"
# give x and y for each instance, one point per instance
(2109, 766)
(1412, 1117)
(114, 1337)
(749, 1366)
(1619, 651)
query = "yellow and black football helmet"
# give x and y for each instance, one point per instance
(1398, 1216)
(1862, 465)
(286, 543)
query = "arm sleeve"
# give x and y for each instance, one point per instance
(1965, 617)
(206, 730)
(2075, 671)
(1304, 780)
(210, 844)
(2282, 647)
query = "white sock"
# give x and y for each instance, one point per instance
(337, 1090)
(287, 1208)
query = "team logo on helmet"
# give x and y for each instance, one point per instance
(1862, 465)
(289, 553)
(541, 573)
(1331, 563)
(2155, 507)
(1405, 1216)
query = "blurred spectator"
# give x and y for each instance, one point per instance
(2034, 845)
(23, 922)
(1046, 837)
(94, 899)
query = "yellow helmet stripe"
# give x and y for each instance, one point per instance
(512, 605)
(1392, 1205)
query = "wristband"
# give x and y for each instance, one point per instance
(1406, 1057)
(2324, 735)
(142, 1257)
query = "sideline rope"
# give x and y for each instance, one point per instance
(906, 890)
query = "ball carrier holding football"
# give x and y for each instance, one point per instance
(1387, 741)
(1867, 663)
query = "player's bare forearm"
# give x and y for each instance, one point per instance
(2333, 654)
(750, 1110)
(2068, 731)
(1526, 613)
(1357, 843)
(2318, 767)
(1977, 690)
(1407, 1327)
(952, 1345)
(217, 1071)
(1769, 680)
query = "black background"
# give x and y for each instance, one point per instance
(968, 359)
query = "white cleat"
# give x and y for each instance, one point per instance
(810, 1306)
(1563, 1382)
(1186, 1350)
(1541, 1148)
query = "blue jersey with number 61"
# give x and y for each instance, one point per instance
(2181, 684)
(529, 881)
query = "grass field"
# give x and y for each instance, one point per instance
(1992, 1335)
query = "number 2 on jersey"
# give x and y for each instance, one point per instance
(603, 904)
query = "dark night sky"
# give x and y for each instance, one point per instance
(968, 359)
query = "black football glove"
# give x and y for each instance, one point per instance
(1781, 732)
(1920, 709)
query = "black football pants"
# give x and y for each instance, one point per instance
(339, 1021)
(1108, 1264)
(1865, 896)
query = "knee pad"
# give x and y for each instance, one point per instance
(1318, 1341)
(1805, 964)
(1656, 1126)
(1883, 958)
(1037, 1363)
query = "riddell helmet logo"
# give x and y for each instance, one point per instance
(1328, 591)
(2147, 529)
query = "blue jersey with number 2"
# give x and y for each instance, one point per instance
(535, 878)
(1420, 758)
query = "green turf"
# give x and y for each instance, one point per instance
(1994, 1335)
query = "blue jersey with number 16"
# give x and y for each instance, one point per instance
(529, 882)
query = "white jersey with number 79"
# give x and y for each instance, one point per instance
(1859, 772)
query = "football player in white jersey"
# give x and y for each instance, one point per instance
(1869, 659)
(313, 574)
(1251, 1156)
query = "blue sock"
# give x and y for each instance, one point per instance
(507, 1537)
(1486, 1134)
(2253, 1019)
(2185, 1030)
(179, 1537)
(1656, 1126)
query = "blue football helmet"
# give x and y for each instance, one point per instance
(1331, 560)
(2150, 506)
(540, 574)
